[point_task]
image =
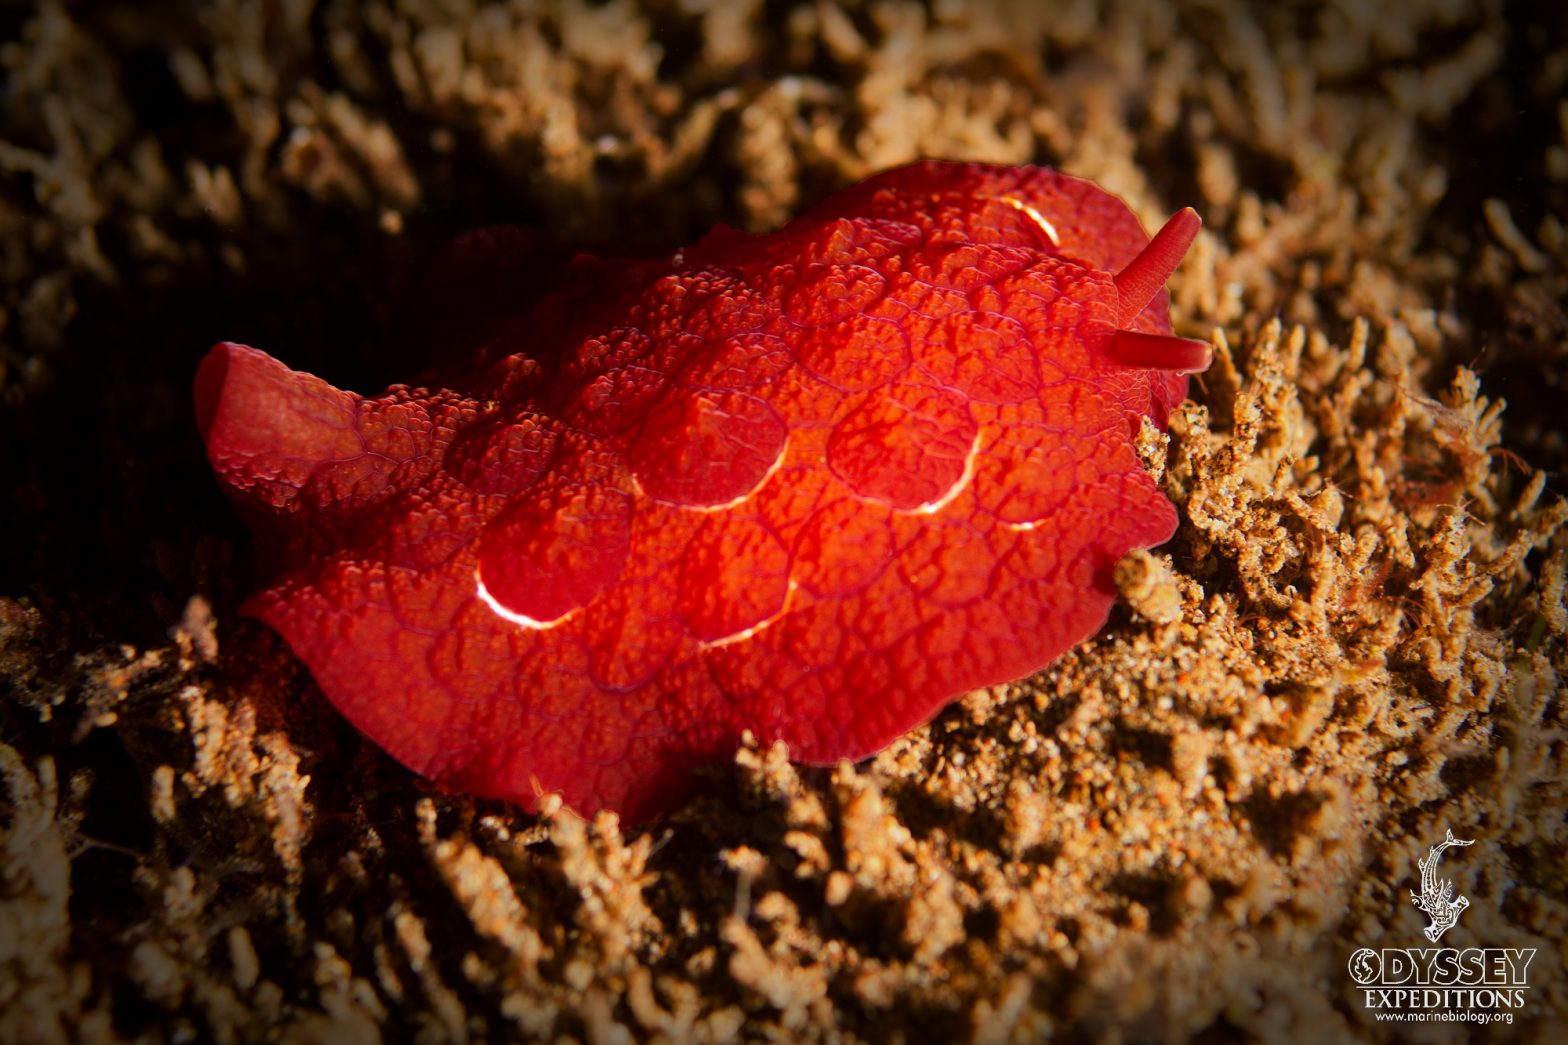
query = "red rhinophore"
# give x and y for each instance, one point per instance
(814, 484)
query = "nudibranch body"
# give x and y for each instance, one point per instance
(814, 484)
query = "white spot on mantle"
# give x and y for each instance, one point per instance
(1034, 216)
(746, 633)
(932, 507)
(521, 620)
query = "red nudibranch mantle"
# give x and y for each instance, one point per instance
(814, 484)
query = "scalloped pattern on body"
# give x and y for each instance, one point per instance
(814, 484)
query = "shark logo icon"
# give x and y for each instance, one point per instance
(1434, 897)
(1473, 983)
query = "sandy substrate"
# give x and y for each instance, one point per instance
(1356, 641)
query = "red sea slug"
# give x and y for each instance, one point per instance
(814, 484)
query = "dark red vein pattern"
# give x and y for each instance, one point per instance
(814, 484)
